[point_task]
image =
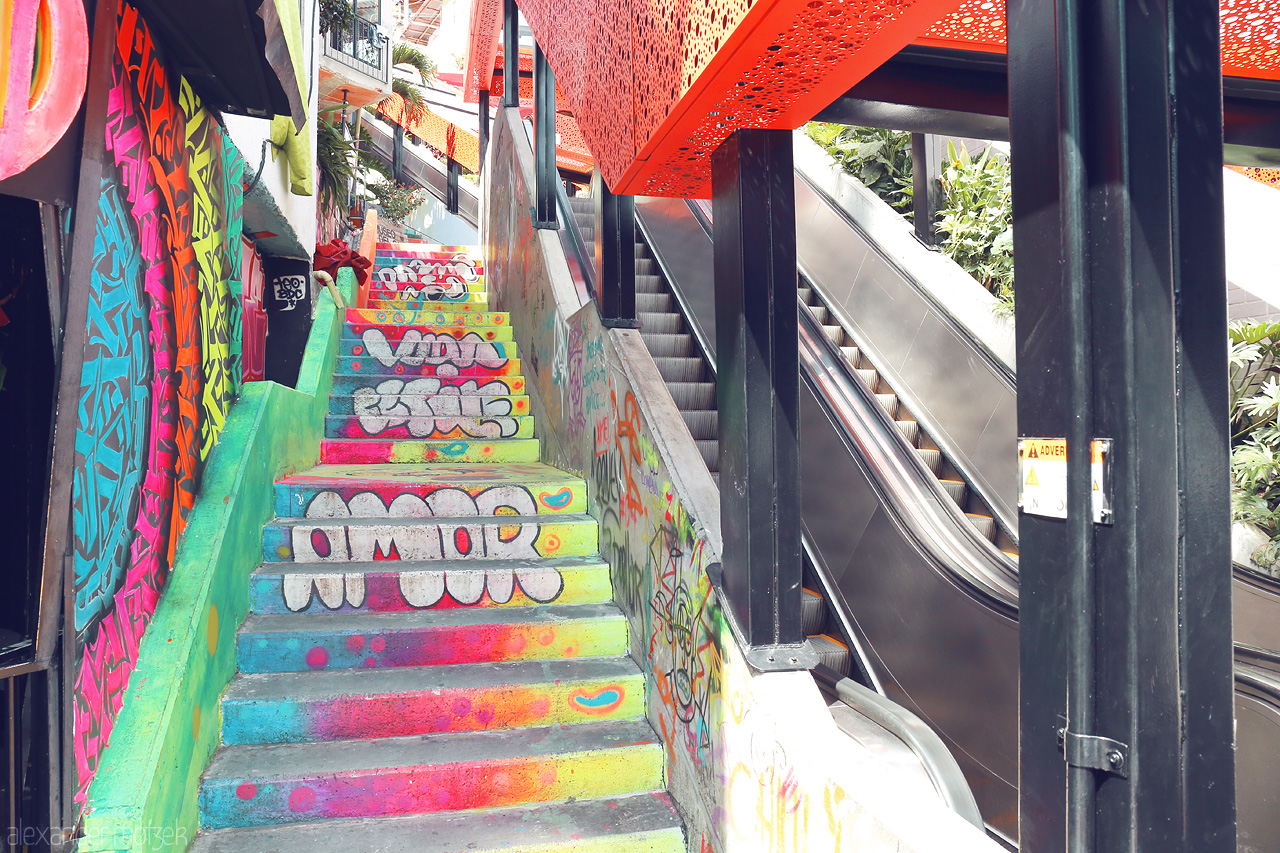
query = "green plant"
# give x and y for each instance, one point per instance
(397, 200)
(1254, 381)
(405, 53)
(415, 104)
(335, 15)
(333, 158)
(881, 159)
(977, 219)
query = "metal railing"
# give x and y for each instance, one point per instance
(361, 46)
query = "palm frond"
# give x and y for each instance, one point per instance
(405, 53)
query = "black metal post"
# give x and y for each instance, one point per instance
(1121, 323)
(451, 186)
(544, 142)
(397, 154)
(926, 174)
(615, 250)
(510, 54)
(757, 384)
(484, 126)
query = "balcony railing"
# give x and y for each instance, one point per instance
(360, 46)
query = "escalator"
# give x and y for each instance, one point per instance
(422, 169)
(908, 504)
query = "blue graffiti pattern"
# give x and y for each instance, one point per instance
(114, 414)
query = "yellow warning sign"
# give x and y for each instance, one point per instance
(1043, 448)
(1031, 477)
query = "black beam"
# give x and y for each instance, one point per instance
(397, 154)
(484, 126)
(965, 93)
(1125, 623)
(757, 382)
(926, 193)
(615, 252)
(510, 54)
(451, 186)
(544, 142)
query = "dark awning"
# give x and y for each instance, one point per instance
(240, 56)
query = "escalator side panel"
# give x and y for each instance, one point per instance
(970, 408)
(901, 605)
(687, 248)
(1257, 785)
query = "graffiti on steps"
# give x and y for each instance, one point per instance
(444, 272)
(426, 409)
(416, 349)
(423, 590)
(442, 541)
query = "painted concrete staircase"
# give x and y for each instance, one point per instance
(432, 661)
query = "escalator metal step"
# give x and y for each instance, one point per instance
(910, 431)
(813, 612)
(986, 524)
(710, 451)
(820, 313)
(680, 369)
(703, 424)
(649, 284)
(852, 354)
(657, 303)
(831, 652)
(645, 266)
(834, 333)
(693, 395)
(888, 402)
(955, 489)
(662, 324)
(932, 459)
(869, 377)
(678, 346)
(805, 294)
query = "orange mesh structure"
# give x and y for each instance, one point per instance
(447, 138)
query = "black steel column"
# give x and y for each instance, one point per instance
(544, 142)
(510, 54)
(615, 250)
(926, 193)
(451, 186)
(484, 126)
(397, 154)
(757, 385)
(1121, 324)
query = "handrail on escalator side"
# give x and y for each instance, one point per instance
(581, 261)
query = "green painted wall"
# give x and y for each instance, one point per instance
(144, 794)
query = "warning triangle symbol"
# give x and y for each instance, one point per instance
(1031, 477)
(1031, 452)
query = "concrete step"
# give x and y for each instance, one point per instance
(487, 425)
(527, 489)
(415, 399)
(256, 785)
(358, 540)
(391, 586)
(297, 707)
(371, 450)
(359, 319)
(416, 384)
(315, 641)
(639, 823)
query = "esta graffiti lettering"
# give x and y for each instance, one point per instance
(417, 348)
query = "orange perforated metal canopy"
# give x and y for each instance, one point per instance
(656, 86)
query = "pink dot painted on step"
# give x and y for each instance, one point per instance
(485, 715)
(370, 662)
(302, 799)
(549, 776)
(318, 657)
(355, 642)
(461, 707)
(517, 642)
(377, 644)
(355, 365)
(443, 723)
(546, 638)
(540, 707)
(247, 791)
(443, 797)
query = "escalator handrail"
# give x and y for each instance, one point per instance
(920, 508)
(581, 262)
(938, 762)
(465, 188)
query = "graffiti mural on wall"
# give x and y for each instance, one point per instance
(158, 375)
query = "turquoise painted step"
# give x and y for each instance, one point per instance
(377, 703)
(471, 400)
(492, 424)
(358, 540)
(409, 368)
(638, 823)
(372, 450)
(388, 586)
(255, 785)
(319, 641)
(529, 488)
(451, 348)
(471, 383)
